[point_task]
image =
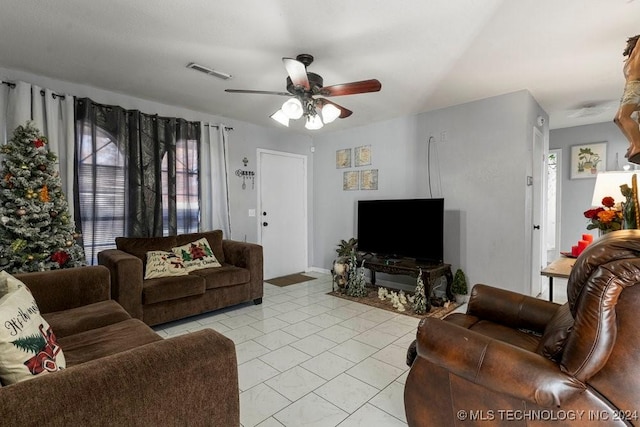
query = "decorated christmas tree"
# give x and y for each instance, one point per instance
(36, 231)
(420, 299)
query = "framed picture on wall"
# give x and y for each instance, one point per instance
(588, 159)
(362, 155)
(350, 180)
(369, 179)
(343, 158)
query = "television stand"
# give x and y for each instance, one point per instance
(408, 267)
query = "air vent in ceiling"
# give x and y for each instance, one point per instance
(207, 70)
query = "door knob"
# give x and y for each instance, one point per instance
(265, 224)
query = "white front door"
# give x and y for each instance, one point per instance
(282, 212)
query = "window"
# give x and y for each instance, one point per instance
(102, 191)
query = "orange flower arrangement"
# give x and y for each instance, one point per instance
(605, 219)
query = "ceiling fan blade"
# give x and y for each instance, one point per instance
(352, 88)
(259, 92)
(344, 112)
(297, 71)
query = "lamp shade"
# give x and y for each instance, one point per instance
(292, 108)
(281, 118)
(329, 113)
(313, 122)
(608, 185)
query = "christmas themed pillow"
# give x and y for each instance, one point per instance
(197, 255)
(28, 347)
(164, 264)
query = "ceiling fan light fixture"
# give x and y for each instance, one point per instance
(280, 117)
(329, 113)
(292, 108)
(313, 122)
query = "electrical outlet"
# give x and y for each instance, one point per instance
(252, 212)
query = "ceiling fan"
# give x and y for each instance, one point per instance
(306, 92)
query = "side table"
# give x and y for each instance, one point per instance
(560, 268)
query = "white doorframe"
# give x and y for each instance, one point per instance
(539, 245)
(259, 153)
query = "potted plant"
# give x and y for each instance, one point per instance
(459, 287)
(345, 249)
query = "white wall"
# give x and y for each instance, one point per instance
(577, 193)
(244, 140)
(482, 165)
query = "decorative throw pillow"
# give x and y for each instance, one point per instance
(197, 255)
(164, 264)
(28, 346)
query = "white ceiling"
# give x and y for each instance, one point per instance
(428, 54)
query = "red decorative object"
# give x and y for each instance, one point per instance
(39, 143)
(61, 257)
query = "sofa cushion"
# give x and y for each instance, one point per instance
(197, 255)
(139, 246)
(556, 333)
(164, 264)
(28, 346)
(227, 275)
(111, 339)
(213, 237)
(86, 317)
(170, 288)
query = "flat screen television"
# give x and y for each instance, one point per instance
(402, 228)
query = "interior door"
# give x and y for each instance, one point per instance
(282, 212)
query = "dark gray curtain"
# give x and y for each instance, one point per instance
(122, 151)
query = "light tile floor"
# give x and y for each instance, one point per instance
(306, 358)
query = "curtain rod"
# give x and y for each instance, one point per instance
(218, 126)
(42, 92)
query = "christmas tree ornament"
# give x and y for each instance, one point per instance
(39, 143)
(21, 212)
(44, 194)
(68, 243)
(18, 245)
(30, 257)
(53, 214)
(42, 167)
(24, 167)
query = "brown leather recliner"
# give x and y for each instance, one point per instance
(520, 361)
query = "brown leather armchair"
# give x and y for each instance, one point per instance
(520, 361)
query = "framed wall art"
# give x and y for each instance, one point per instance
(362, 155)
(588, 159)
(343, 158)
(369, 179)
(350, 180)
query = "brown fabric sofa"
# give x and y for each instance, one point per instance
(519, 361)
(160, 300)
(119, 371)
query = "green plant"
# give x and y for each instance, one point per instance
(459, 285)
(347, 247)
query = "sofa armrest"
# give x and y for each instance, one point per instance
(510, 308)
(58, 290)
(494, 364)
(126, 279)
(249, 256)
(187, 380)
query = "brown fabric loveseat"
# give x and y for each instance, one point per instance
(119, 371)
(160, 300)
(519, 361)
